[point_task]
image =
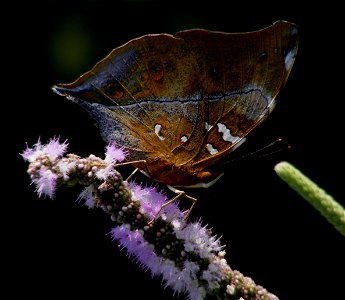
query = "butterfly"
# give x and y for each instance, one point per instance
(180, 103)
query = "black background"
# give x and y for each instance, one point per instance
(58, 248)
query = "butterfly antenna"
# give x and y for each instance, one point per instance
(271, 151)
(261, 152)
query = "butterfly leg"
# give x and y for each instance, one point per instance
(131, 163)
(132, 174)
(179, 194)
(194, 200)
(165, 205)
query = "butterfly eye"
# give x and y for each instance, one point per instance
(114, 90)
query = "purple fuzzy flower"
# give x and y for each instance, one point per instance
(187, 257)
(87, 195)
(114, 154)
(46, 183)
(53, 150)
(135, 245)
(27, 153)
(151, 202)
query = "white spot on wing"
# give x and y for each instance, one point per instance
(226, 133)
(184, 139)
(157, 130)
(208, 126)
(289, 58)
(210, 149)
(239, 143)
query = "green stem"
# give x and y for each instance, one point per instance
(317, 197)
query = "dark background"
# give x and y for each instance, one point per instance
(58, 248)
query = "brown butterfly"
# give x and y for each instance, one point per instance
(182, 102)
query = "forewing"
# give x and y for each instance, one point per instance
(191, 97)
(242, 74)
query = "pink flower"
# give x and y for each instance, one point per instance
(114, 154)
(151, 202)
(135, 245)
(46, 183)
(187, 257)
(53, 150)
(87, 196)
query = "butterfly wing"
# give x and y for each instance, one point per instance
(242, 75)
(145, 96)
(186, 99)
